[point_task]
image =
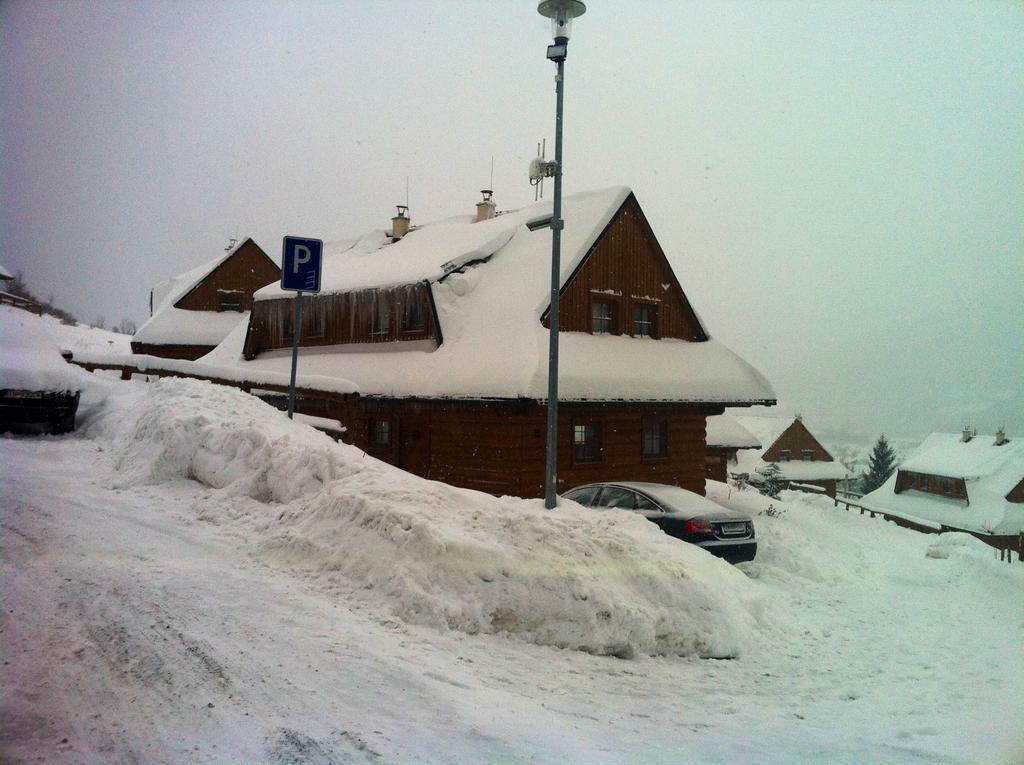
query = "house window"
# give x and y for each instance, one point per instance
(586, 442)
(380, 319)
(602, 317)
(414, 317)
(230, 302)
(808, 455)
(655, 442)
(784, 455)
(645, 320)
(380, 434)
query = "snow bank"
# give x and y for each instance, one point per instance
(606, 583)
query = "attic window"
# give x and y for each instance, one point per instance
(380, 434)
(784, 455)
(414, 317)
(533, 225)
(230, 302)
(603, 319)
(645, 320)
(380, 318)
(808, 455)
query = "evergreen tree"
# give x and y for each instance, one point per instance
(772, 481)
(881, 463)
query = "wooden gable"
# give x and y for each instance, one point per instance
(626, 268)
(233, 281)
(796, 439)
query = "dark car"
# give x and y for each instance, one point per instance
(679, 513)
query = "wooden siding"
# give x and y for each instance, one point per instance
(716, 462)
(343, 318)
(627, 267)
(499, 446)
(1016, 494)
(942, 486)
(189, 352)
(247, 270)
(797, 439)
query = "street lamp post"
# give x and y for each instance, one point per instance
(561, 13)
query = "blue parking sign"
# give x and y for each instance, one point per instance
(300, 264)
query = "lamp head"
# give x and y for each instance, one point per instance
(561, 13)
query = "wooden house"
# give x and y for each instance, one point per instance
(803, 462)
(725, 437)
(193, 312)
(443, 331)
(960, 482)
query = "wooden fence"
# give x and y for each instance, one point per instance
(6, 298)
(1007, 544)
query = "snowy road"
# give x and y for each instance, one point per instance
(134, 632)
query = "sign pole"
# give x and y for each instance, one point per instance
(300, 272)
(296, 331)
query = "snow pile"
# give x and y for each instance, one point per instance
(607, 583)
(29, 357)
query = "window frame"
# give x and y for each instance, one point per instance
(807, 455)
(663, 453)
(381, 308)
(785, 455)
(597, 447)
(613, 318)
(653, 323)
(372, 433)
(407, 308)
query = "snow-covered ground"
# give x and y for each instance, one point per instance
(192, 577)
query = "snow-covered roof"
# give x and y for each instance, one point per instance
(5, 274)
(494, 344)
(989, 472)
(174, 326)
(724, 432)
(768, 430)
(29, 357)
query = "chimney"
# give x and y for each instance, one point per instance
(1000, 437)
(400, 223)
(968, 435)
(485, 209)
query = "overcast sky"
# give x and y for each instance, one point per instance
(838, 185)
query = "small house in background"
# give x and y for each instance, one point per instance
(193, 312)
(443, 330)
(960, 482)
(725, 437)
(803, 462)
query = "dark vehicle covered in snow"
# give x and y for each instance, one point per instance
(679, 513)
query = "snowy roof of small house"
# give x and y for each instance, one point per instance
(768, 430)
(724, 431)
(494, 345)
(174, 326)
(989, 473)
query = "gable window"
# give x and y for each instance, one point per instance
(784, 455)
(645, 320)
(586, 442)
(603, 320)
(380, 434)
(231, 301)
(414, 315)
(380, 319)
(808, 455)
(654, 439)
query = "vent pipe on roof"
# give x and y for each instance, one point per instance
(485, 209)
(968, 435)
(400, 223)
(1000, 437)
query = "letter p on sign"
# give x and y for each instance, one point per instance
(300, 264)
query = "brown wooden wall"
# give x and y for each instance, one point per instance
(627, 266)
(341, 318)
(247, 270)
(796, 439)
(499, 447)
(931, 484)
(716, 462)
(189, 352)
(1016, 494)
